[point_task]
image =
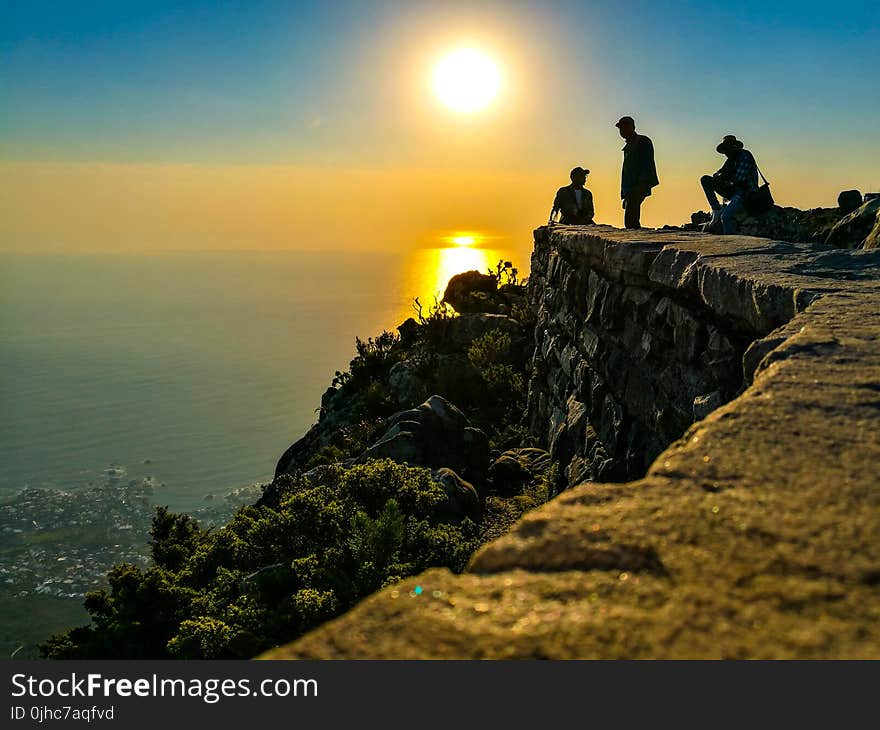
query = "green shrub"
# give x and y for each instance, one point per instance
(314, 607)
(544, 488)
(374, 360)
(351, 440)
(312, 547)
(525, 315)
(492, 348)
(505, 273)
(272, 572)
(202, 638)
(504, 396)
(435, 323)
(374, 357)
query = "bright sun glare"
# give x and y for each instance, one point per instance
(466, 80)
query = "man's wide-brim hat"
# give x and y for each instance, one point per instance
(730, 142)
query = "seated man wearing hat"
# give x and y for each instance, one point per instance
(735, 181)
(574, 202)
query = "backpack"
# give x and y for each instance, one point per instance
(759, 201)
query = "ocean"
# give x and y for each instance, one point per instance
(130, 381)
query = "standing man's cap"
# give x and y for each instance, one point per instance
(625, 120)
(578, 171)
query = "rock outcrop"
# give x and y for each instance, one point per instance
(849, 200)
(398, 373)
(754, 533)
(847, 226)
(516, 468)
(436, 434)
(471, 292)
(859, 228)
(462, 499)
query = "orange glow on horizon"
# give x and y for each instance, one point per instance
(463, 239)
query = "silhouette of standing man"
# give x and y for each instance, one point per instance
(639, 171)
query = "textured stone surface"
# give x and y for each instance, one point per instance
(516, 468)
(462, 499)
(783, 224)
(858, 227)
(639, 335)
(468, 291)
(436, 434)
(873, 239)
(756, 534)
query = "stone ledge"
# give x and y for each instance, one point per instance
(759, 282)
(755, 535)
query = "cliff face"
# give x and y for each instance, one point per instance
(755, 532)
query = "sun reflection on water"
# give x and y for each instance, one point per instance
(427, 271)
(444, 263)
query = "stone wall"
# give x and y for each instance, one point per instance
(756, 534)
(632, 346)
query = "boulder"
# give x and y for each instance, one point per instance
(409, 331)
(515, 469)
(436, 434)
(405, 383)
(849, 200)
(789, 224)
(852, 230)
(462, 499)
(779, 224)
(470, 291)
(473, 292)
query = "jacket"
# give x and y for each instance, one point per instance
(740, 174)
(566, 203)
(638, 165)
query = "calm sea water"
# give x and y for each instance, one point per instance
(130, 381)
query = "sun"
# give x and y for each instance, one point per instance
(466, 80)
(463, 239)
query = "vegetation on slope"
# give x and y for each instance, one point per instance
(328, 530)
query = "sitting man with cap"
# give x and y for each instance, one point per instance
(574, 203)
(735, 181)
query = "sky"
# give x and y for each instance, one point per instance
(186, 125)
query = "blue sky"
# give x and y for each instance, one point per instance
(317, 85)
(236, 81)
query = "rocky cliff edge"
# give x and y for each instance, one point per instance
(754, 535)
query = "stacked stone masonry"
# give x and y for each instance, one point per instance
(632, 346)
